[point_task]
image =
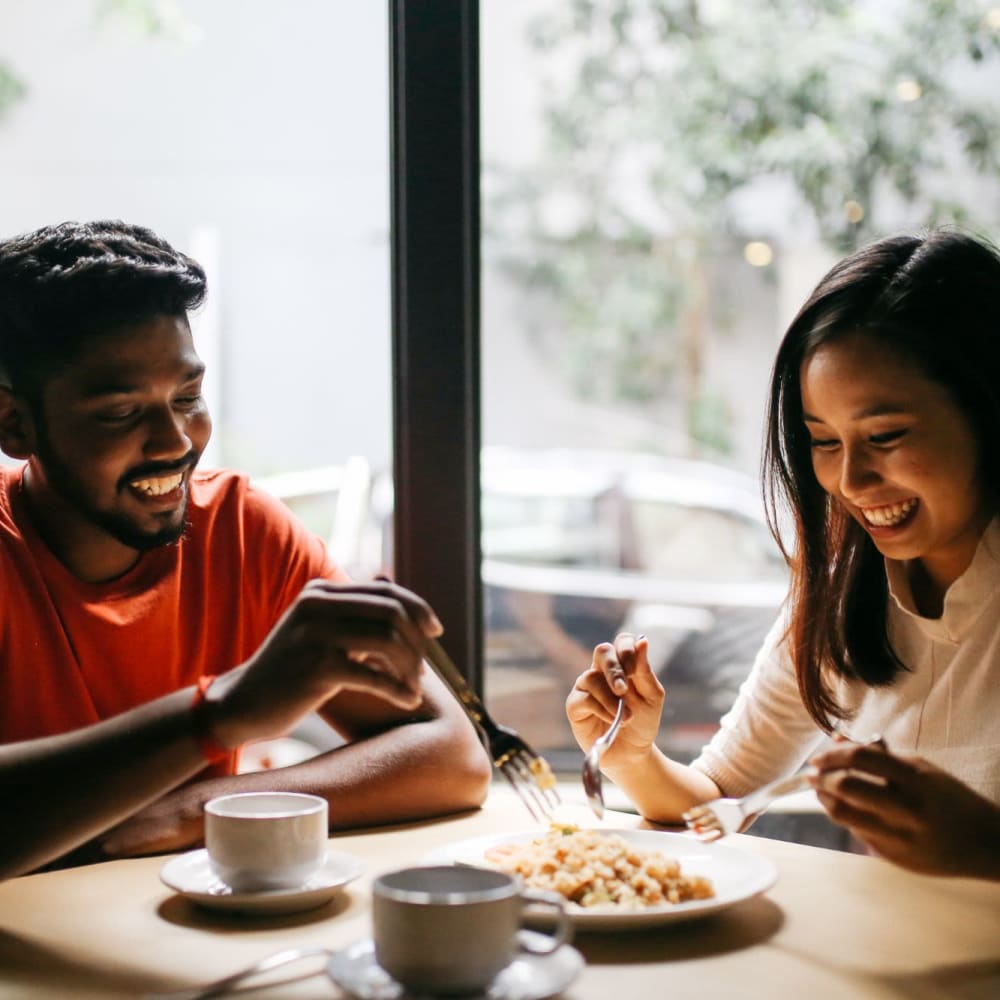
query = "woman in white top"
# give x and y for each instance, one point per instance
(883, 443)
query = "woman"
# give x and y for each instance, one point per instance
(883, 443)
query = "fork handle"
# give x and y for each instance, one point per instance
(452, 676)
(797, 782)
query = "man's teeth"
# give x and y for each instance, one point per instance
(157, 487)
(886, 517)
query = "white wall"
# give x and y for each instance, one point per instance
(265, 122)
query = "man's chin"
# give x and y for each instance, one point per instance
(144, 539)
(157, 540)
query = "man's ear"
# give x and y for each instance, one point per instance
(17, 428)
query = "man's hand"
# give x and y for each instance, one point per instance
(618, 671)
(334, 637)
(909, 811)
(172, 823)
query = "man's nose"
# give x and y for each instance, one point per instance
(167, 434)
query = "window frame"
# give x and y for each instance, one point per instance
(434, 168)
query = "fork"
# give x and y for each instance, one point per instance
(720, 817)
(592, 763)
(228, 984)
(527, 771)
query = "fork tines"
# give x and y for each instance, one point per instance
(705, 823)
(529, 775)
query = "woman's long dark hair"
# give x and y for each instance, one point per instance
(936, 301)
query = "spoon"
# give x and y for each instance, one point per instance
(592, 763)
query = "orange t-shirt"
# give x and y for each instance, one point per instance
(73, 653)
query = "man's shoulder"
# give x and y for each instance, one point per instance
(228, 510)
(212, 489)
(226, 501)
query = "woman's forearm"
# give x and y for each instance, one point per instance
(661, 788)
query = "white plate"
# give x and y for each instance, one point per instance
(735, 874)
(528, 977)
(191, 876)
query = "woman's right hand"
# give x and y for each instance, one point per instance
(618, 670)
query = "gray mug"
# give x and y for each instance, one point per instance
(452, 929)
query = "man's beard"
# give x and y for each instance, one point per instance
(119, 526)
(123, 530)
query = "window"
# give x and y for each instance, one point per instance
(663, 183)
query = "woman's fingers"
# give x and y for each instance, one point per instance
(611, 664)
(626, 662)
(591, 696)
(849, 797)
(645, 682)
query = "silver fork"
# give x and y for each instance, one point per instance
(592, 763)
(527, 771)
(228, 984)
(720, 817)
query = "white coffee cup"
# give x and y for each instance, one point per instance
(259, 841)
(452, 929)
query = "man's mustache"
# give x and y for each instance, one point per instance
(153, 470)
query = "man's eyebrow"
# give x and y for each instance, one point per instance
(122, 387)
(877, 410)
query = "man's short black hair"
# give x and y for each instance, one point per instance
(61, 286)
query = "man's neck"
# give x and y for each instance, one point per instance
(86, 550)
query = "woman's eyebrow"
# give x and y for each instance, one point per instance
(876, 410)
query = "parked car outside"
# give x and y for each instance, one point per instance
(579, 545)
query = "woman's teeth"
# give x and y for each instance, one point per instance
(157, 487)
(890, 515)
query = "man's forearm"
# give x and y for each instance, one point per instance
(61, 791)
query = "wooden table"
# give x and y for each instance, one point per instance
(835, 926)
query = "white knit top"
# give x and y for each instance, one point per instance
(946, 707)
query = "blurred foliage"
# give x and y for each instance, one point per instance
(663, 117)
(12, 89)
(152, 18)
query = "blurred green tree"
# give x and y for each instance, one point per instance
(12, 89)
(663, 117)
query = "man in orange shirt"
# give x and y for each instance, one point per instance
(154, 618)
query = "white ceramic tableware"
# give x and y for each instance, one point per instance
(528, 977)
(446, 930)
(191, 875)
(736, 873)
(262, 841)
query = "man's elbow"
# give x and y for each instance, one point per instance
(469, 768)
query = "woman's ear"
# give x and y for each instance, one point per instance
(17, 428)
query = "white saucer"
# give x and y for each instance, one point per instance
(191, 876)
(528, 977)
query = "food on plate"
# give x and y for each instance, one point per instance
(589, 868)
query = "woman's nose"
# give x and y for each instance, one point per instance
(857, 472)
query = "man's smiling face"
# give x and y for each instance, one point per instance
(117, 433)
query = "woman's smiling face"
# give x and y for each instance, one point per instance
(894, 448)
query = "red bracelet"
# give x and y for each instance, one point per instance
(212, 750)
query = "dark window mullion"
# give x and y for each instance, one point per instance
(435, 262)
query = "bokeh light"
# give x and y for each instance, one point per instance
(758, 253)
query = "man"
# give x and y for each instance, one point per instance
(130, 580)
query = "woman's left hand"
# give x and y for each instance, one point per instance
(908, 811)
